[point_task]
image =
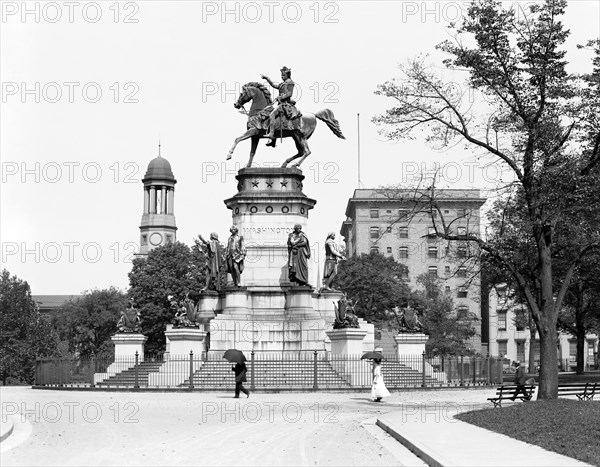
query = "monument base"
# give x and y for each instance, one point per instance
(126, 347)
(411, 346)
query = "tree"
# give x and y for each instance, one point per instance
(88, 322)
(539, 121)
(25, 334)
(173, 269)
(449, 328)
(374, 282)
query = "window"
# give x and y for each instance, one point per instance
(403, 232)
(374, 249)
(402, 213)
(433, 271)
(461, 231)
(432, 252)
(405, 274)
(169, 239)
(520, 350)
(389, 211)
(462, 292)
(461, 271)
(535, 348)
(501, 292)
(389, 250)
(446, 211)
(447, 270)
(431, 232)
(403, 252)
(590, 358)
(374, 213)
(448, 289)
(501, 320)
(461, 252)
(460, 213)
(462, 312)
(144, 239)
(374, 233)
(502, 348)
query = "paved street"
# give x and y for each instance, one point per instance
(101, 428)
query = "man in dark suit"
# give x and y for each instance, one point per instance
(240, 378)
(520, 381)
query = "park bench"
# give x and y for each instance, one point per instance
(508, 392)
(583, 391)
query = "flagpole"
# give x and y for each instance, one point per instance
(358, 146)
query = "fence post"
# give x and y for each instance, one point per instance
(423, 383)
(462, 370)
(191, 369)
(252, 370)
(315, 373)
(136, 383)
(37, 371)
(489, 369)
(474, 360)
(92, 370)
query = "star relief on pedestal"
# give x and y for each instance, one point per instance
(284, 184)
(269, 183)
(255, 184)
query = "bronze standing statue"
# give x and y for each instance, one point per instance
(332, 258)
(298, 256)
(215, 262)
(284, 121)
(236, 252)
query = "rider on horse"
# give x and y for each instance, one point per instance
(289, 116)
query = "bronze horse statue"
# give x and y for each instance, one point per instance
(258, 118)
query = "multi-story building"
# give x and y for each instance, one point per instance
(403, 224)
(510, 336)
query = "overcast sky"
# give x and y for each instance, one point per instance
(89, 88)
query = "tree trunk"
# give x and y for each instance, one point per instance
(580, 349)
(548, 314)
(580, 327)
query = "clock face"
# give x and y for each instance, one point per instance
(156, 239)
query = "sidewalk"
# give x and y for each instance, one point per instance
(433, 434)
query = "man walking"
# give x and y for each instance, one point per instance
(520, 381)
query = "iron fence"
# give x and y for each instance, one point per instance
(268, 370)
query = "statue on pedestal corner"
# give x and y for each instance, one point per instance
(186, 312)
(409, 320)
(130, 320)
(345, 316)
(235, 254)
(298, 256)
(214, 254)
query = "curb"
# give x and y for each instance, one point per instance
(6, 429)
(414, 446)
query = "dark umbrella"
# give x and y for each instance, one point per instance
(234, 356)
(372, 356)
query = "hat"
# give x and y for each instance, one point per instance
(516, 362)
(285, 69)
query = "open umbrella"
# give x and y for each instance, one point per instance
(234, 356)
(372, 356)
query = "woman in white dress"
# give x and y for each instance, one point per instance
(378, 389)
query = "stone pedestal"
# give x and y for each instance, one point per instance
(268, 204)
(347, 341)
(411, 343)
(182, 341)
(176, 368)
(411, 346)
(126, 346)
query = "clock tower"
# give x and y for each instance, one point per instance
(158, 221)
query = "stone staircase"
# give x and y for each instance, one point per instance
(270, 375)
(126, 378)
(398, 375)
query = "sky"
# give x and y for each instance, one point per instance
(90, 88)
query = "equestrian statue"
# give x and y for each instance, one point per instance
(267, 121)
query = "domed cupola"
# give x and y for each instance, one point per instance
(158, 220)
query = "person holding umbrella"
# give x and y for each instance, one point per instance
(240, 369)
(378, 389)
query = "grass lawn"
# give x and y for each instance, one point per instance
(568, 427)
